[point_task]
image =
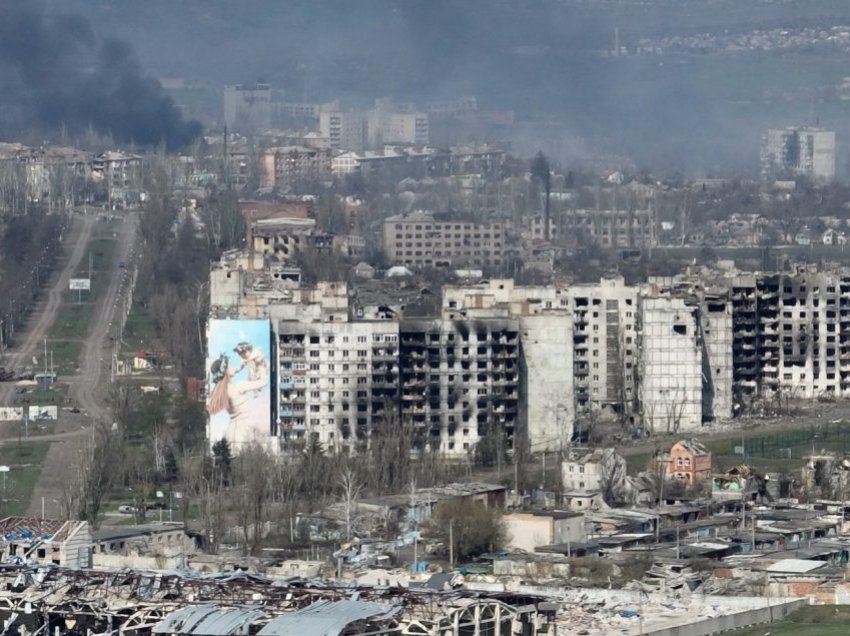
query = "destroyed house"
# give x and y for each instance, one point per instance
(46, 541)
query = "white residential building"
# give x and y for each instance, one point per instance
(336, 381)
(397, 128)
(670, 364)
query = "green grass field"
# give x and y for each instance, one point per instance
(72, 319)
(139, 331)
(816, 620)
(76, 313)
(24, 461)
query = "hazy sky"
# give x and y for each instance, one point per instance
(541, 58)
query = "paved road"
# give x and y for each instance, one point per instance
(41, 320)
(89, 387)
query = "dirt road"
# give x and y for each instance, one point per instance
(41, 320)
(89, 387)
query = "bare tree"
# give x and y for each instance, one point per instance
(203, 485)
(612, 478)
(350, 485)
(141, 479)
(94, 464)
(253, 491)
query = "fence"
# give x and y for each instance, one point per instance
(732, 621)
(798, 442)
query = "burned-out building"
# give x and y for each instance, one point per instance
(790, 335)
(460, 380)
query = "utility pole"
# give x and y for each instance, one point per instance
(678, 552)
(451, 544)
(753, 515)
(413, 517)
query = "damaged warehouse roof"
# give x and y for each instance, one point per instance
(139, 602)
(328, 618)
(208, 620)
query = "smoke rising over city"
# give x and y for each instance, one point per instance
(58, 74)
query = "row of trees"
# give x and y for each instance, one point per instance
(177, 248)
(253, 496)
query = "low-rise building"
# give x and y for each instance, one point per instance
(689, 461)
(45, 541)
(527, 531)
(154, 546)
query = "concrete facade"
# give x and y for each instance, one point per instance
(337, 381)
(247, 108)
(547, 400)
(285, 165)
(607, 228)
(604, 336)
(389, 127)
(527, 531)
(346, 130)
(604, 344)
(670, 366)
(716, 326)
(799, 151)
(460, 380)
(420, 240)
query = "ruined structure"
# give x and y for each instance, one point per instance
(48, 600)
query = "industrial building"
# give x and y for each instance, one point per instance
(144, 602)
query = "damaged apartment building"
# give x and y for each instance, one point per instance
(495, 358)
(772, 334)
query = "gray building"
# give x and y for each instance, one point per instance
(247, 108)
(799, 151)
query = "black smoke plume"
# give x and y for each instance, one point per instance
(56, 74)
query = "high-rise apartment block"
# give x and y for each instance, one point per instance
(396, 128)
(799, 151)
(361, 130)
(671, 377)
(500, 362)
(346, 129)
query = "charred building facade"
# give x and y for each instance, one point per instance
(790, 335)
(460, 380)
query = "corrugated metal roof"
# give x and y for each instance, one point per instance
(208, 620)
(327, 618)
(184, 620)
(795, 566)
